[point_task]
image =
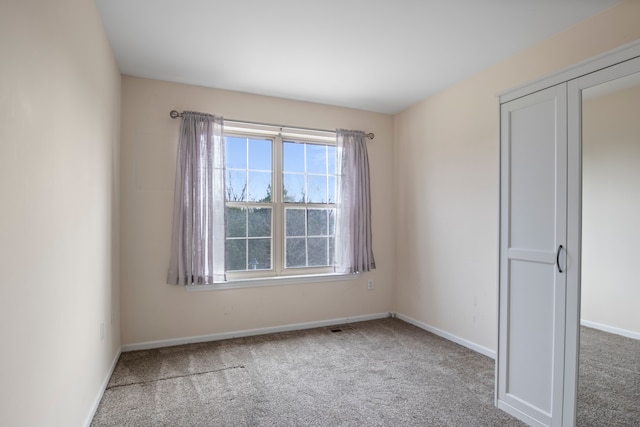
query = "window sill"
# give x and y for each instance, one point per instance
(273, 281)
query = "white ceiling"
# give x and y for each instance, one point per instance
(376, 55)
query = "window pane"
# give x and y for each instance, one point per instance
(293, 154)
(260, 187)
(317, 224)
(332, 250)
(294, 222)
(295, 252)
(259, 254)
(331, 154)
(316, 189)
(293, 188)
(236, 254)
(235, 152)
(260, 154)
(316, 158)
(236, 222)
(332, 190)
(260, 222)
(332, 222)
(318, 255)
(236, 190)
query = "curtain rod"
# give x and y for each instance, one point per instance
(174, 115)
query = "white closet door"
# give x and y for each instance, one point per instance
(533, 221)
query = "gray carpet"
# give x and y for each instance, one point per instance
(609, 380)
(378, 373)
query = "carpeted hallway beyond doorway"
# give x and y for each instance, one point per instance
(377, 373)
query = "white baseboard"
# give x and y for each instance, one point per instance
(103, 387)
(250, 332)
(463, 342)
(611, 329)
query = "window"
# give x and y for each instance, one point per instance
(280, 203)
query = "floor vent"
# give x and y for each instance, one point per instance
(340, 328)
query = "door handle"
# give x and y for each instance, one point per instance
(558, 259)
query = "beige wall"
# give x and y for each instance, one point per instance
(611, 203)
(153, 310)
(59, 138)
(446, 181)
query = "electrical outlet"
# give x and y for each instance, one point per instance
(370, 285)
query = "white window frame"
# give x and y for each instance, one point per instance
(278, 274)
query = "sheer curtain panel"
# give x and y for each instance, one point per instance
(354, 251)
(198, 237)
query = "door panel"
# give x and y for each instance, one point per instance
(532, 229)
(533, 176)
(530, 326)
